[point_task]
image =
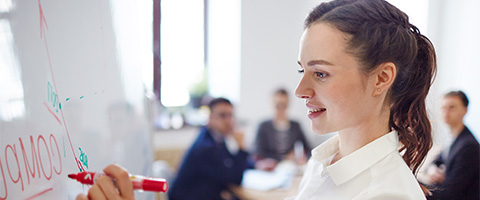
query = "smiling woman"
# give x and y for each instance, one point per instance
(366, 74)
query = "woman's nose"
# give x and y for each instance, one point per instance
(304, 91)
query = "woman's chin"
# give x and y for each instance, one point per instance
(323, 130)
(320, 131)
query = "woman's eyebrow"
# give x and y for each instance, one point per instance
(319, 62)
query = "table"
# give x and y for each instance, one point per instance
(280, 193)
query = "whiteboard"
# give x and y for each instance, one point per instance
(71, 94)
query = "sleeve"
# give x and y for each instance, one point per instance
(240, 164)
(464, 167)
(224, 169)
(392, 196)
(393, 192)
(303, 139)
(261, 142)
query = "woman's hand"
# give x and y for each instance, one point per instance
(104, 187)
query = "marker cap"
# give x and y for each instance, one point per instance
(155, 185)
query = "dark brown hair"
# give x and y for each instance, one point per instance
(281, 91)
(459, 94)
(379, 32)
(217, 101)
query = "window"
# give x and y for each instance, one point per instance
(12, 103)
(198, 46)
(182, 50)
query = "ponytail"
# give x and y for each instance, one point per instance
(408, 114)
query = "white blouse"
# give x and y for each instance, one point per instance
(375, 171)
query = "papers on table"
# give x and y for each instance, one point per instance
(281, 177)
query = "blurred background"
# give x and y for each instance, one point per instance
(244, 50)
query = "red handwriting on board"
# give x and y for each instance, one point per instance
(51, 112)
(35, 164)
(44, 36)
(38, 194)
(42, 19)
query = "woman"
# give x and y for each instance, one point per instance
(366, 74)
(280, 138)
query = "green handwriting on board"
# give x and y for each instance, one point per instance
(83, 158)
(52, 97)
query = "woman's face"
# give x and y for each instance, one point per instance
(336, 92)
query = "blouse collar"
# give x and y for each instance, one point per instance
(353, 164)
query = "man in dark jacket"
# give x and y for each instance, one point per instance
(455, 172)
(216, 159)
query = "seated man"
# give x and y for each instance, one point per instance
(455, 172)
(216, 159)
(276, 138)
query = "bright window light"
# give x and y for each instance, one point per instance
(5, 5)
(182, 49)
(11, 88)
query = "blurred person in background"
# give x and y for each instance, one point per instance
(215, 161)
(280, 138)
(455, 173)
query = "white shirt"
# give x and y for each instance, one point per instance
(375, 171)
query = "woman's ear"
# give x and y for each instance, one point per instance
(384, 76)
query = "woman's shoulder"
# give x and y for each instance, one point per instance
(392, 166)
(390, 195)
(393, 179)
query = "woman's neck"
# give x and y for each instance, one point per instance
(352, 139)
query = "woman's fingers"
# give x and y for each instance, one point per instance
(106, 184)
(105, 188)
(124, 184)
(81, 197)
(96, 193)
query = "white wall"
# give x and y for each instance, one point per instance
(271, 32)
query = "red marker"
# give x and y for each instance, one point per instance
(139, 182)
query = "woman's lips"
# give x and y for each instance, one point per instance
(313, 113)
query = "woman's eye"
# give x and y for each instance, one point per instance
(321, 75)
